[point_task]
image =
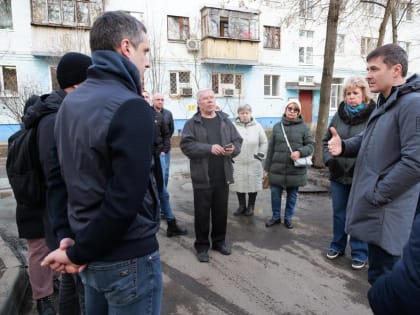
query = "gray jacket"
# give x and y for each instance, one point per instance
(386, 178)
(195, 146)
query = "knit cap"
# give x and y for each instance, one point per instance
(294, 101)
(72, 69)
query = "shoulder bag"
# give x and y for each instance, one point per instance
(302, 161)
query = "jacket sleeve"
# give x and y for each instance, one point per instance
(262, 140)
(326, 154)
(398, 291)
(166, 137)
(270, 152)
(352, 145)
(308, 143)
(190, 145)
(131, 157)
(57, 199)
(236, 138)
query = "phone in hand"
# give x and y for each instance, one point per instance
(228, 146)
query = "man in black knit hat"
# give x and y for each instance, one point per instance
(71, 71)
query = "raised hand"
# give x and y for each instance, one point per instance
(334, 144)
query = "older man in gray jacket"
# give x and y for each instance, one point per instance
(386, 178)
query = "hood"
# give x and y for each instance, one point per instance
(46, 104)
(252, 122)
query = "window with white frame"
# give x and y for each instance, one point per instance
(367, 44)
(404, 10)
(68, 13)
(306, 35)
(340, 44)
(404, 45)
(179, 80)
(306, 55)
(271, 85)
(306, 79)
(306, 9)
(6, 19)
(178, 28)
(8, 81)
(374, 8)
(227, 84)
(272, 37)
(336, 93)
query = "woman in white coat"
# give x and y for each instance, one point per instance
(247, 167)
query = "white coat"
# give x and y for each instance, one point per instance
(247, 170)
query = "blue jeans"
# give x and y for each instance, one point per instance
(165, 205)
(167, 163)
(125, 287)
(276, 192)
(380, 262)
(340, 195)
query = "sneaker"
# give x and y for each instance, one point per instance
(357, 264)
(333, 254)
(203, 256)
(45, 306)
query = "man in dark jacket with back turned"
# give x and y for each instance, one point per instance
(104, 133)
(71, 71)
(210, 140)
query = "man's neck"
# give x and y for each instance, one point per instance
(208, 115)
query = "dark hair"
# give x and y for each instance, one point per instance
(113, 26)
(391, 54)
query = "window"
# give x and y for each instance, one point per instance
(367, 45)
(223, 23)
(305, 9)
(178, 28)
(306, 35)
(306, 55)
(8, 81)
(272, 37)
(336, 93)
(339, 49)
(305, 79)
(227, 84)
(405, 46)
(271, 85)
(54, 83)
(70, 13)
(374, 8)
(6, 21)
(178, 80)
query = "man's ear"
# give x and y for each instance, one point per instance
(124, 48)
(397, 70)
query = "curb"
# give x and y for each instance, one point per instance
(13, 283)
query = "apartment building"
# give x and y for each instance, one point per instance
(257, 52)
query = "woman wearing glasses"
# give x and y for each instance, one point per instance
(279, 166)
(350, 119)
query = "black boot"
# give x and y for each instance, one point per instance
(251, 204)
(174, 229)
(242, 204)
(45, 306)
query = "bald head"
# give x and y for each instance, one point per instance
(157, 101)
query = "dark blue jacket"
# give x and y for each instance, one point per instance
(398, 292)
(104, 133)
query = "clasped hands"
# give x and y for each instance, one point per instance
(58, 260)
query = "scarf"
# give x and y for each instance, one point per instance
(354, 110)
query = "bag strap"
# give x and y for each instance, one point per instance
(285, 137)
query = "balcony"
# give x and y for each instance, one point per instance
(229, 51)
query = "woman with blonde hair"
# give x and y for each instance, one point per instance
(349, 120)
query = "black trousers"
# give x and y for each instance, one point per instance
(211, 203)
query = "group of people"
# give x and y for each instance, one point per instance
(106, 169)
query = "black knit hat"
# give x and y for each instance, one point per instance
(72, 69)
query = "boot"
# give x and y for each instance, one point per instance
(242, 204)
(174, 229)
(251, 204)
(45, 306)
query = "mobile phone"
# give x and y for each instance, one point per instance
(228, 146)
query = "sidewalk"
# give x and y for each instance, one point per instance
(271, 271)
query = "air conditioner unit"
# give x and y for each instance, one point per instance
(228, 92)
(186, 92)
(193, 44)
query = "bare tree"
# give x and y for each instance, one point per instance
(327, 74)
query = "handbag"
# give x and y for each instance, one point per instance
(266, 183)
(302, 161)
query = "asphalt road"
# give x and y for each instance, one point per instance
(270, 271)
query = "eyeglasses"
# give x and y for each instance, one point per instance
(292, 110)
